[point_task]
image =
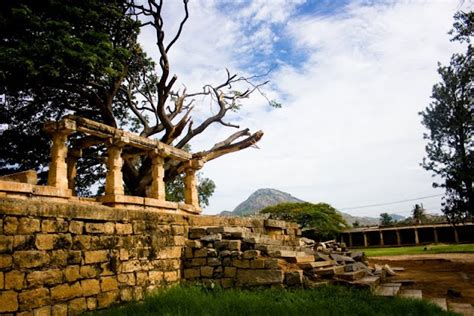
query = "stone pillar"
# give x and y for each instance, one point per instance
(456, 236)
(399, 240)
(114, 179)
(71, 161)
(435, 233)
(417, 239)
(350, 240)
(366, 244)
(157, 189)
(381, 238)
(57, 174)
(190, 188)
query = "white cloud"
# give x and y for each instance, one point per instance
(349, 133)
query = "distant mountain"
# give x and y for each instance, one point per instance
(268, 197)
(261, 199)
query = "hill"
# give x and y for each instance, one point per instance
(268, 197)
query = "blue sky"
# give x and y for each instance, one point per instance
(352, 77)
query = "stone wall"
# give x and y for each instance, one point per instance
(61, 258)
(68, 258)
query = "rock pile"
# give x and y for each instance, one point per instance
(238, 256)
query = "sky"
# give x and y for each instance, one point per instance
(351, 76)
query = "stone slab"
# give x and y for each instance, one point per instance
(413, 294)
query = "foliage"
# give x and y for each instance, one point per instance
(323, 300)
(429, 249)
(175, 189)
(321, 217)
(418, 214)
(356, 224)
(450, 124)
(62, 57)
(386, 219)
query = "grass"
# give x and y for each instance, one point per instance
(325, 300)
(415, 250)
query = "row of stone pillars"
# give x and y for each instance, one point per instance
(62, 169)
(399, 240)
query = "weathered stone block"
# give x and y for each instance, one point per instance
(230, 272)
(124, 229)
(124, 254)
(193, 244)
(200, 253)
(91, 303)
(8, 301)
(10, 225)
(59, 310)
(155, 276)
(42, 311)
(169, 253)
(251, 254)
(197, 262)
(71, 273)
(232, 245)
(106, 299)
(171, 276)
(94, 228)
(2, 281)
(126, 278)
(257, 263)
(242, 264)
(131, 266)
(126, 294)
(45, 241)
(28, 226)
(108, 284)
(58, 258)
(5, 261)
(139, 227)
(34, 298)
(294, 278)
(246, 277)
(197, 232)
(142, 278)
(65, 292)
(90, 287)
(76, 227)
(178, 230)
(77, 306)
(54, 226)
(74, 257)
(89, 271)
(192, 273)
(6, 244)
(211, 238)
(109, 228)
(14, 280)
(95, 256)
(81, 242)
(23, 242)
(207, 272)
(48, 277)
(214, 262)
(273, 263)
(30, 258)
(188, 253)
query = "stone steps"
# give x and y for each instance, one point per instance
(413, 294)
(388, 289)
(461, 308)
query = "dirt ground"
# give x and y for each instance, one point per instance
(435, 274)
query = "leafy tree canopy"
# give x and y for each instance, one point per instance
(62, 57)
(386, 219)
(450, 124)
(321, 217)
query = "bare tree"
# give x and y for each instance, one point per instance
(166, 112)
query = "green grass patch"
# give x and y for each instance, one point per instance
(415, 250)
(325, 300)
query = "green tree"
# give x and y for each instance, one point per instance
(418, 214)
(386, 219)
(321, 217)
(450, 124)
(356, 224)
(62, 57)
